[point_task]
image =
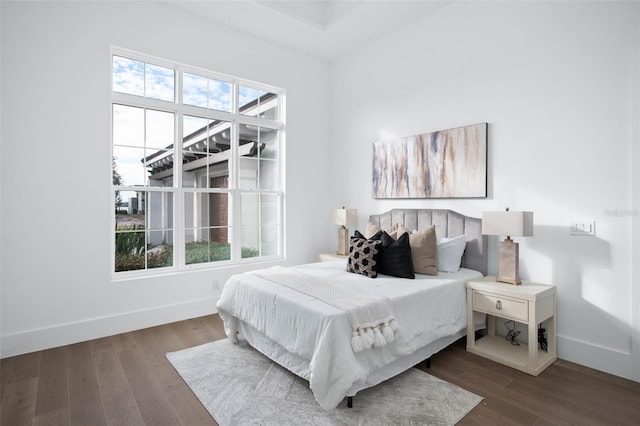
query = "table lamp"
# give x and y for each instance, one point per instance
(508, 223)
(344, 217)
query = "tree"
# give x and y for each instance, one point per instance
(117, 180)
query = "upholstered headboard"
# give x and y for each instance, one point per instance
(448, 224)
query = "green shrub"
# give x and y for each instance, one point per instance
(135, 261)
(130, 252)
(203, 252)
(247, 252)
(128, 241)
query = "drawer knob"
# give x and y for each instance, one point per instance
(498, 305)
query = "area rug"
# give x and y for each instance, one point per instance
(240, 386)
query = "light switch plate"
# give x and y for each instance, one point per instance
(583, 228)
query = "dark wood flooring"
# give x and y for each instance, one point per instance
(126, 380)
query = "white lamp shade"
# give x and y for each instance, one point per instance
(512, 224)
(345, 217)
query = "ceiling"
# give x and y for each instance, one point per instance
(326, 29)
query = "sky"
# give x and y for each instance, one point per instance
(139, 132)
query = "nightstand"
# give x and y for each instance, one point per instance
(326, 257)
(529, 303)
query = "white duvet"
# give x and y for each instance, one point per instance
(317, 336)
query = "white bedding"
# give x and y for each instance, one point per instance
(314, 339)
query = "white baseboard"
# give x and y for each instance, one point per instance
(612, 361)
(94, 328)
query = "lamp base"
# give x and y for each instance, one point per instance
(343, 241)
(508, 269)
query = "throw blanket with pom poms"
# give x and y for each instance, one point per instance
(371, 317)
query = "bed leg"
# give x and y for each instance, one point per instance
(350, 401)
(427, 363)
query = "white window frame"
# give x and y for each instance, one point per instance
(235, 118)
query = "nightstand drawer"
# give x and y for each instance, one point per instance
(501, 306)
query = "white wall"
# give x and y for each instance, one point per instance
(558, 84)
(56, 164)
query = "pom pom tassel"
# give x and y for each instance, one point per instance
(378, 338)
(357, 342)
(388, 334)
(369, 338)
(393, 324)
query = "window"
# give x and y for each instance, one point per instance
(197, 166)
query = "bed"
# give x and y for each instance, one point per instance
(313, 339)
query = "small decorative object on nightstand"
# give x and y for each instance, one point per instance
(508, 223)
(529, 303)
(327, 257)
(344, 217)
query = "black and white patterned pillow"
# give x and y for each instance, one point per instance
(363, 256)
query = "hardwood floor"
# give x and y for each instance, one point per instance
(126, 380)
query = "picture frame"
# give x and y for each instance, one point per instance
(448, 163)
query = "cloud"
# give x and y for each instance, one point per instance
(139, 132)
(206, 92)
(128, 76)
(142, 79)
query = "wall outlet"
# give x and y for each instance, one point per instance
(216, 285)
(583, 228)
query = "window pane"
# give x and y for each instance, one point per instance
(196, 209)
(249, 152)
(194, 90)
(268, 139)
(269, 175)
(268, 105)
(206, 227)
(128, 126)
(160, 249)
(260, 224)
(128, 206)
(159, 82)
(250, 242)
(250, 209)
(269, 209)
(197, 247)
(144, 230)
(269, 240)
(206, 92)
(219, 210)
(143, 79)
(159, 129)
(130, 250)
(159, 211)
(257, 103)
(248, 100)
(129, 234)
(248, 173)
(202, 248)
(219, 154)
(159, 166)
(268, 154)
(128, 76)
(206, 153)
(258, 166)
(128, 163)
(220, 95)
(190, 125)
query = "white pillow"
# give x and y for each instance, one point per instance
(450, 252)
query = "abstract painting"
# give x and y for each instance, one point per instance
(444, 164)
